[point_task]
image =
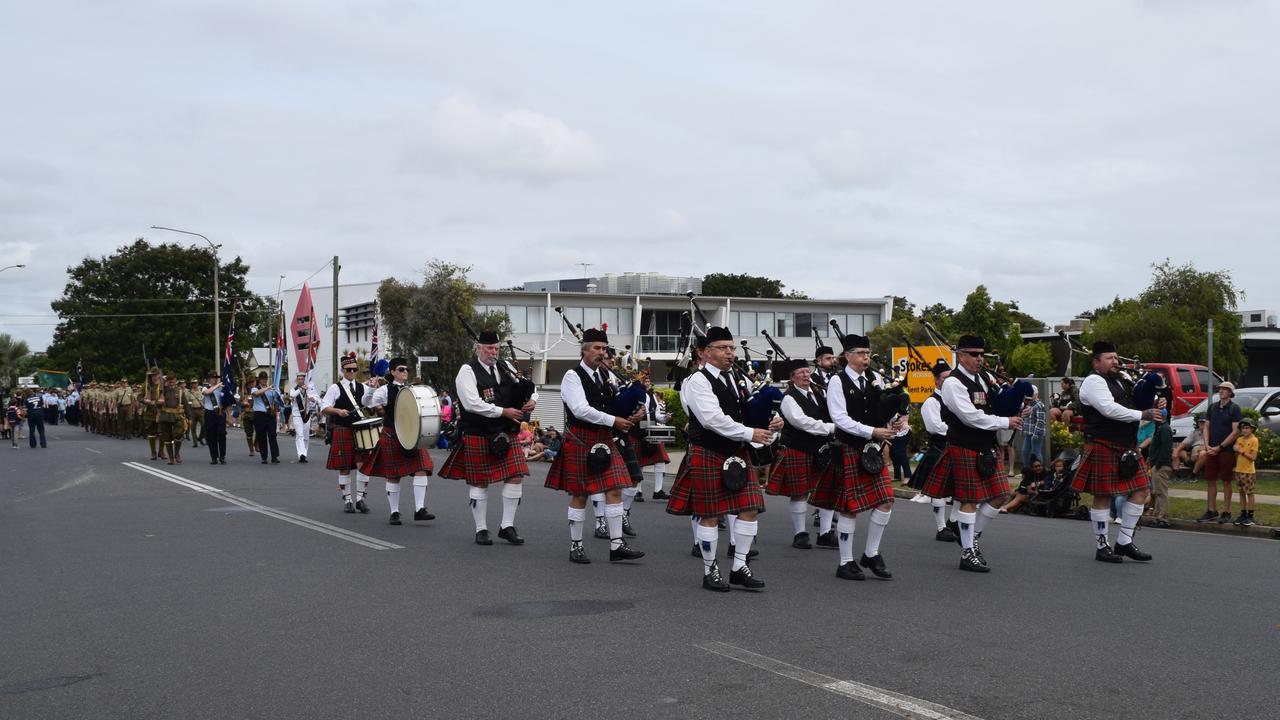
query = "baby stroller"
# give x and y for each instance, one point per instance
(1060, 499)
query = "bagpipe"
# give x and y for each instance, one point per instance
(631, 393)
(525, 387)
(1007, 394)
(689, 332)
(1146, 386)
(762, 405)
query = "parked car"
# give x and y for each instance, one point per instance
(1189, 384)
(1266, 400)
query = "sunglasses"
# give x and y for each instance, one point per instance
(974, 353)
(402, 369)
(348, 369)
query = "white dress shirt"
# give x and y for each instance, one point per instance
(931, 413)
(839, 411)
(377, 398)
(701, 401)
(308, 397)
(469, 393)
(956, 397)
(334, 392)
(651, 408)
(796, 417)
(575, 397)
(1095, 393)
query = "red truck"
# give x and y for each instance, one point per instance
(1190, 384)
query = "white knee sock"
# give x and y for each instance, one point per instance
(362, 485)
(966, 521)
(659, 471)
(707, 539)
(799, 509)
(744, 532)
(731, 521)
(1098, 519)
(419, 492)
(986, 511)
(478, 499)
(343, 487)
(628, 495)
(845, 526)
(597, 506)
(875, 531)
(613, 518)
(825, 518)
(577, 516)
(955, 512)
(1129, 515)
(693, 520)
(939, 513)
(393, 495)
(511, 495)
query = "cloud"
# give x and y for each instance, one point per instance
(843, 160)
(519, 144)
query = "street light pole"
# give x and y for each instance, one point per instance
(217, 305)
(10, 267)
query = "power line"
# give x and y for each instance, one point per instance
(304, 280)
(271, 310)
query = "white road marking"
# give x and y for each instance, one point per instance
(896, 703)
(332, 530)
(94, 451)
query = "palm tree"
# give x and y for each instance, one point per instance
(11, 353)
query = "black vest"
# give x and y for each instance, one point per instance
(500, 392)
(731, 404)
(1099, 426)
(345, 404)
(960, 434)
(859, 405)
(595, 397)
(937, 442)
(794, 437)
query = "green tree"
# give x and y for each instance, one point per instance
(12, 351)
(155, 296)
(1168, 321)
(735, 285)
(423, 319)
(1030, 359)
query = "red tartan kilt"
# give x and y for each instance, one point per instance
(343, 455)
(956, 476)
(847, 488)
(388, 461)
(793, 475)
(698, 489)
(569, 468)
(1099, 472)
(472, 462)
(649, 454)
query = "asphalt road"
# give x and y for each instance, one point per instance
(125, 595)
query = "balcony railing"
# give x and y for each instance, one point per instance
(650, 344)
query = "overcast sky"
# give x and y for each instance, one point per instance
(1051, 150)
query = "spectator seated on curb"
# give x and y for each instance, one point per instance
(1066, 404)
(1034, 479)
(551, 444)
(1187, 458)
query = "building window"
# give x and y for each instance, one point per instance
(786, 324)
(537, 317)
(1255, 317)
(806, 323)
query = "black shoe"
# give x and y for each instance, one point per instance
(264, 462)
(577, 554)
(876, 566)
(977, 549)
(828, 540)
(954, 527)
(660, 495)
(1132, 552)
(509, 534)
(1162, 523)
(1224, 518)
(638, 498)
(750, 554)
(275, 461)
(482, 538)
(395, 518)
(1104, 554)
(423, 514)
(362, 506)
(969, 561)
(714, 580)
(697, 551)
(742, 576)
(1247, 520)
(624, 552)
(602, 530)
(347, 507)
(945, 535)
(850, 571)
(213, 462)
(302, 459)
(1208, 516)
(222, 461)
(626, 525)
(801, 541)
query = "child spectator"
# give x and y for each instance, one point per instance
(1033, 427)
(1246, 449)
(525, 438)
(1160, 460)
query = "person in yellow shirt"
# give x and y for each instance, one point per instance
(1246, 449)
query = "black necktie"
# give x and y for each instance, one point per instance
(862, 382)
(599, 382)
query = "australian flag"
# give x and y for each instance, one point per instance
(377, 366)
(228, 381)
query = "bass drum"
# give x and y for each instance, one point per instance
(417, 414)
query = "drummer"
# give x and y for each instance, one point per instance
(489, 421)
(389, 459)
(341, 403)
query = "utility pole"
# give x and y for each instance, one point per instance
(334, 337)
(1210, 389)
